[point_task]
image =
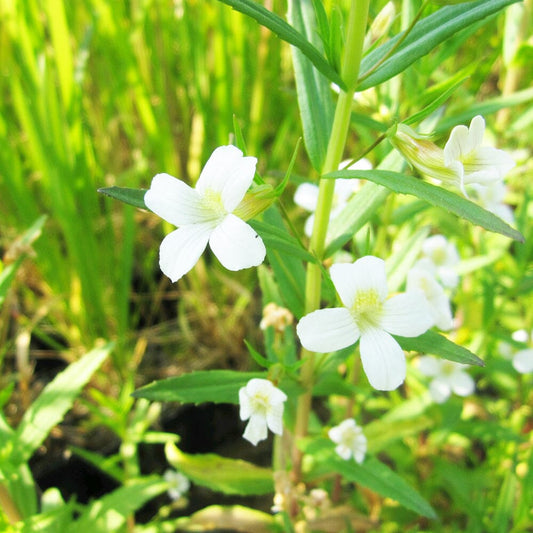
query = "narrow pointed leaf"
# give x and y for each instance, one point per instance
(127, 195)
(53, 402)
(288, 33)
(217, 386)
(372, 474)
(437, 196)
(314, 93)
(427, 34)
(230, 476)
(433, 343)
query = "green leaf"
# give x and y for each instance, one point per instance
(109, 513)
(230, 476)
(288, 33)
(433, 343)
(217, 386)
(25, 241)
(127, 195)
(437, 196)
(485, 108)
(424, 37)
(314, 94)
(372, 474)
(288, 270)
(278, 239)
(228, 518)
(53, 402)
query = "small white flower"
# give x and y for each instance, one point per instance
(439, 303)
(369, 316)
(440, 257)
(306, 194)
(350, 440)
(491, 197)
(523, 361)
(205, 215)
(471, 162)
(448, 377)
(178, 484)
(262, 403)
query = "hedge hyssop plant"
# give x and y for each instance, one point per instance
(346, 311)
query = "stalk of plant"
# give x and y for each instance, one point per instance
(356, 26)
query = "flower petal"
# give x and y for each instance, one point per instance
(306, 196)
(228, 173)
(327, 330)
(236, 244)
(462, 383)
(429, 365)
(458, 145)
(383, 359)
(523, 361)
(440, 390)
(181, 249)
(366, 273)
(256, 429)
(174, 201)
(407, 314)
(245, 404)
(275, 418)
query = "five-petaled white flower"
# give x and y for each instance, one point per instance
(178, 483)
(262, 403)
(350, 440)
(369, 316)
(439, 303)
(440, 257)
(205, 215)
(471, 162)
(448, 377)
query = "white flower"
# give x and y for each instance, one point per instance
(205, 215)
(491, 197)
(448, 377)
(262, 403)
(439, 303)
(369, 316)
(471, 162)
(440, 257)
(349, 439)
(306, 194)
(523, 361)
(178, 484)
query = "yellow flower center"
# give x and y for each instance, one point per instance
(448, 368)
(367, 309)
(438, 256)
(260, 403)
(212, 202)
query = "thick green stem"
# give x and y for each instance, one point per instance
(357, 22)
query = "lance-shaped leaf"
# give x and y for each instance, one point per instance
(53, 402)
(433, 343)
(230, 476)
(372, 474)
(424, 37)
(437, 196)
(217, 386)
(314, 93)
(288, 33)
(127, 195)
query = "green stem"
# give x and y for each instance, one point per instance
(357, 22)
